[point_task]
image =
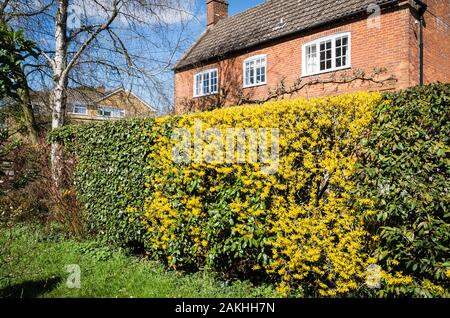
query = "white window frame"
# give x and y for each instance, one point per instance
(78, 105)
(112, 109)
(333, 54)
(254, 59)
(199, 91)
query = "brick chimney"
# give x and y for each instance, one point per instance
(216, 10)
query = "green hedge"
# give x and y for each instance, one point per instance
(110, 173)
(405, 170)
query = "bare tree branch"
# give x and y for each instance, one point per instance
(113, 16)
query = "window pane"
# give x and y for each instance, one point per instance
(206, 83)
(258, 74)
(198, 84)
(322, 66)
(344, 55)
(261, 71)
(325, 55)
(110, 112)
(341, 51)
(322, 55)
(311, 59)
(79, 109)
(107, 112)
(250, 73)
(214, 86)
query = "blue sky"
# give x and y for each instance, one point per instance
(237, 6)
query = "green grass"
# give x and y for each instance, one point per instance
(33, 264)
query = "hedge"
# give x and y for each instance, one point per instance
(404, 169)
(110, 174)
(315, 225)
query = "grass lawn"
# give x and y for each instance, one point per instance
(33, 264)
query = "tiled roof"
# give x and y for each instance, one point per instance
(85, 95)
(268, 21)
(79, 95)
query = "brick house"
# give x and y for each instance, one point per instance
(307, 48)
(88, 104)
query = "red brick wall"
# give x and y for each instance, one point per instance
(436, 43)
(216, 10)
(388, 46)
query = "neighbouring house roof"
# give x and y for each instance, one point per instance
(86, 95)
(111, 93)
(270, 21)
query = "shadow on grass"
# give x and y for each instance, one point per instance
(30, 289)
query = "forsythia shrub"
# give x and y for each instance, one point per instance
(296, 224)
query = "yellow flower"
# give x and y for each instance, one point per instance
(316, 236)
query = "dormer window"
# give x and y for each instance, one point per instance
(255, 71)
(327, 54)
(206, 83)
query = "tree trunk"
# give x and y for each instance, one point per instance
(58, 98)
(27, 109)
(58, 111)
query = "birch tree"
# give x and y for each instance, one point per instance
(81, 41)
